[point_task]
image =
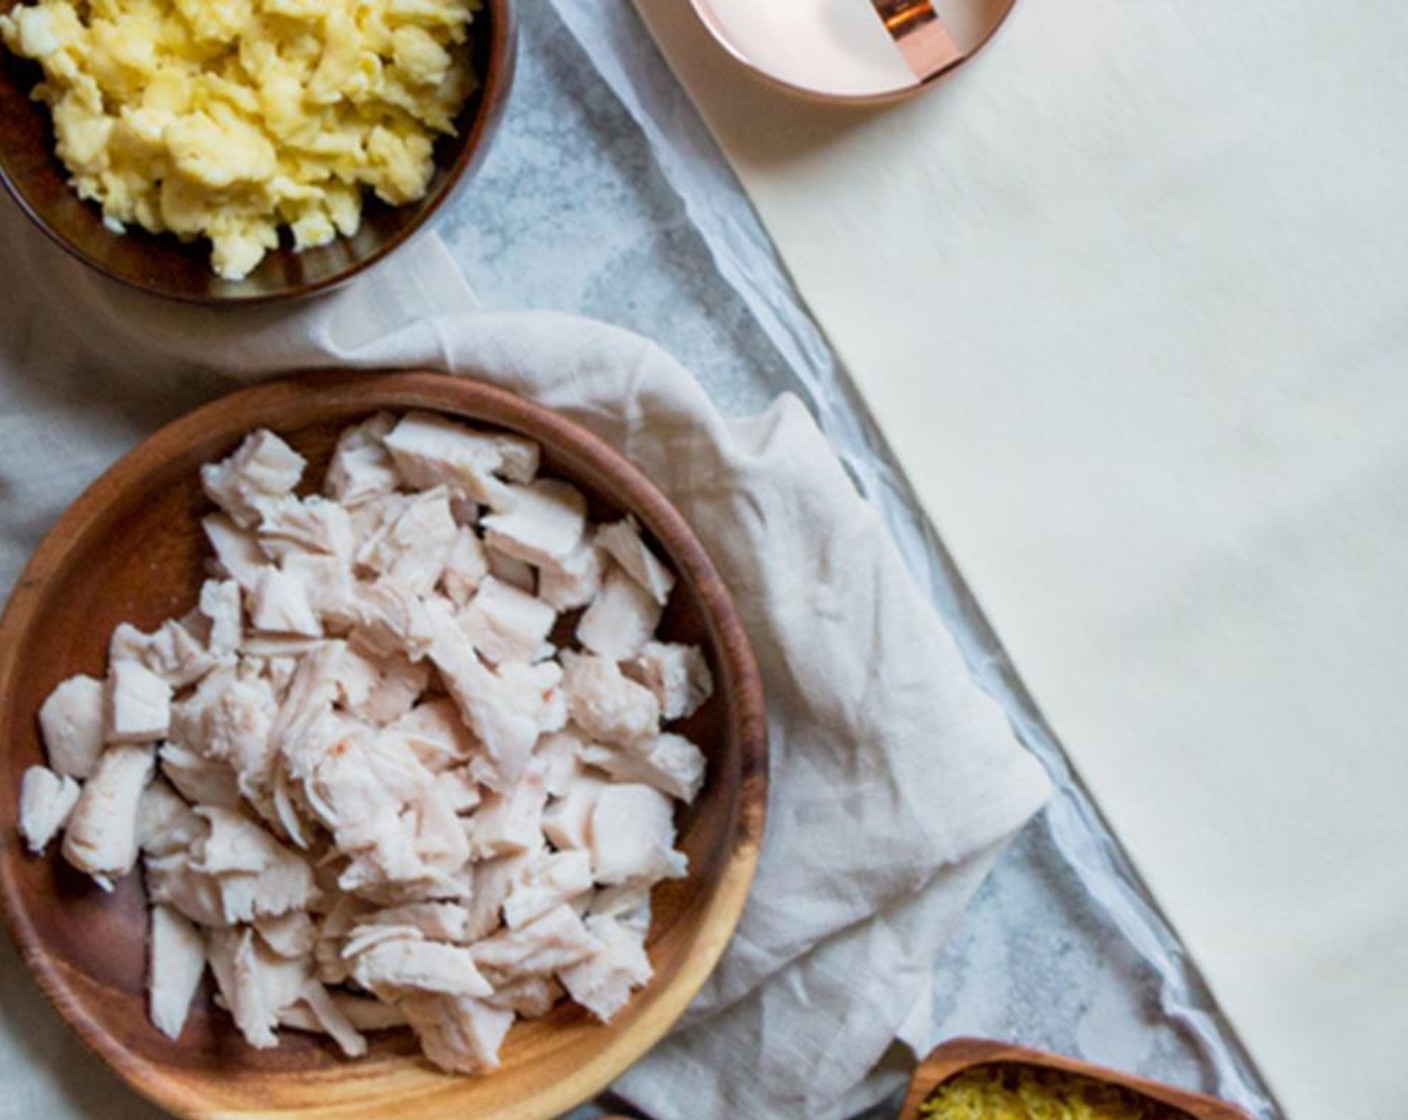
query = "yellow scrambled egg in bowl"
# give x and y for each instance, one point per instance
(228, 119)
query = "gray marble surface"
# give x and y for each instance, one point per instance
(570, 213)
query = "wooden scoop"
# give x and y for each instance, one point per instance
(961, 1054)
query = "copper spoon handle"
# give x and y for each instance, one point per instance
(923, 39)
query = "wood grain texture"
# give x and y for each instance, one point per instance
(130, 549)
(962, 1054)
(162, 265)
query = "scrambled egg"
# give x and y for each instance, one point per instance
(1016, 1092)
(229, 118)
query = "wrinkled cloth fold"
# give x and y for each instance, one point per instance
(894, 779)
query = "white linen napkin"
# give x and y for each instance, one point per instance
(895, 780)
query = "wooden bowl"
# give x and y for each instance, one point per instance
(164, 266)
(130, 549)
(962, 1054)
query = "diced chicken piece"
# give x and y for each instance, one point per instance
(623, 542)
(633, 836)
(525, 691)
(380, 689)
(511, 570)
(438, 921)
(458, 1034)
(220, 603)
(458, 789)
(203, 781)
(177, 964)
(542, 525)
(350, 797)
(559, 756)
(171, 881)
(669, 762)
(437, 734)
(432, 451)
(101, 834)
(678, 675)
(465, 566)
(71, 720)
(369, 1014)
(311, 524)
(279, 603)
(392, 620)
(307, 704)
(237, 551)
(491, 883)
(506, 624)
(509, 823)
(173, 653)
(318, 1010)
(529, 996)
(234, 843)
(621, 619)
(441, 839)
(629, 904)
(361, 467)
(165, 823)
(555, 941)
(365, 937)
(258, 985)
(327, 586)
(403, 967)
(230, 722)
(137, 704)
(606, 705)
(574, 581)
(412, 552)
(567, 821)
(291, 935)
(263, 468)
(550, 881)
(46, 800)
(604, 981)
(285, 885)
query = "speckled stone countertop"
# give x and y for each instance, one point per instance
(571, 213)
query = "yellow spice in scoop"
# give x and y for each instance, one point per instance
(1016, 1092)
(229, 118)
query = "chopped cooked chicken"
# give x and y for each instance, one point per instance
(678, 675)
(506, 624)
(620, 620)
(548, 944)
(220, 603)
(71, 721)
(529, 996)
(623, 542)
(46, 800)
(262, 469)
(385, 769)
(177, 964)
(361, 467)
(432, 451)
(291, 935)
(137, 704)
(237, 551)
(101, 834)
(459, 1034)
(603, 982)
(413, 550)
(542, 523)
(669, 762)
(165, 823)
(606, 705)
(551, 880)
(567, 822)
(574, 581)
(559, 755)
(633, 836)
(402, 967)
(279, 603)
(257, 984)
(465, 567)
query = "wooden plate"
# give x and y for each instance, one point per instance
(130, 549)
(963, 1054)
(164, 266)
